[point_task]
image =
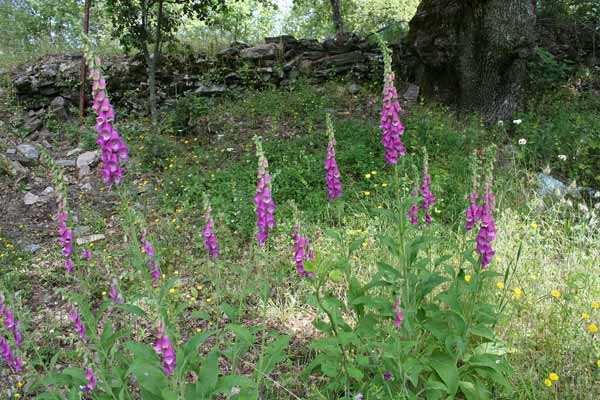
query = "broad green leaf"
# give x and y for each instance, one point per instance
(130, 308)
(445, 366)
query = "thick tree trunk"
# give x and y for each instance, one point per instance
(472, 53)
(338, 20)
(86, 29)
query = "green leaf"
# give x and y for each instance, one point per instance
(274, 354)
(445, 366)
(355, 373)
(209, 374)
(165, 289)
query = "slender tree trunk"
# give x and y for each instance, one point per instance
(86, 29)
(338, 21)
(153, 61)
(472, 53)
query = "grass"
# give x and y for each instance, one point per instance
(546, 244)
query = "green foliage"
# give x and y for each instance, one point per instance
(546, 73)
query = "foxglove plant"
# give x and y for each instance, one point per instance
(487, 230)
(149, 250)
(164, 349)
(473, 213)
(332, 175)
(265, 206)
(390, 120)
(428, 197)
(210, 240)
(302, 252)
(113, 147)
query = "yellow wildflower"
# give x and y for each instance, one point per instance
(585, 315)
(103, 294)
(384, 184)
(367, 193)
(199, 287)
(467, 278)
(500, 285)
(20, 384)
(365, 244)
(518, 293)
(553, 377)
(208, 300)
(595, 305)
(373, 172)
(598, 363)
(555, 293)
(547, 382)
(367, 176)
(592, 328)
(172, 291)
(534, 225)
(199, 330)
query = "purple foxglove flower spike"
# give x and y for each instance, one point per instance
(78, 323)
(473, 212)
(164, 349)
(428, 197)
(414, 209)
(487, 229)
(149, 250)
(390, 120)
(399, 314)
(332, 175)
(265, 206)
(66, 234)
(114, 293)
(10, 323)
(92, 380)
(6, 353)
(109, 140)
(210, 240)
(302, 252)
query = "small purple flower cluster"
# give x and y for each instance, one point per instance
(210, 240)
(265, 206)
(302, 252)
(149, 250)
(113, 147)
(332, 176)
(86, 254)
(390, 122)
(473, 211)
(164, 349)
(13, 326)
(78, 323)
(66, 234)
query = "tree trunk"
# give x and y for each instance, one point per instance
(86, 29)
(472, 53)
(153, 60)
(338, 21)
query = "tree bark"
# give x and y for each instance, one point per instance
(338, 20)
(86, 30)
(472, 53)
(153, 60)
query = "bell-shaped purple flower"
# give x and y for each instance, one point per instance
(165, 351)
(332, 172)
(149, 250)
(86, 254)
(413, 212)
(210, 240)
(6, 353)
(10, 323)
(302, 252)
(114, 293)
(399, 314)
(265, 206)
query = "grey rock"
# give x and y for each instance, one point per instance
(354, 88)
(59, 107)
(81, 230)
(88, 159)
(27, 154)
(18, 168)
(48, 191)
(90, 239)
(12, 152)
(210, 90)
(65, 163)
(74, 151)
(238, 44)
(230, 52)
(262, 51)
(31, 248)
(86, 187)
(31, 199)
(412, 93)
